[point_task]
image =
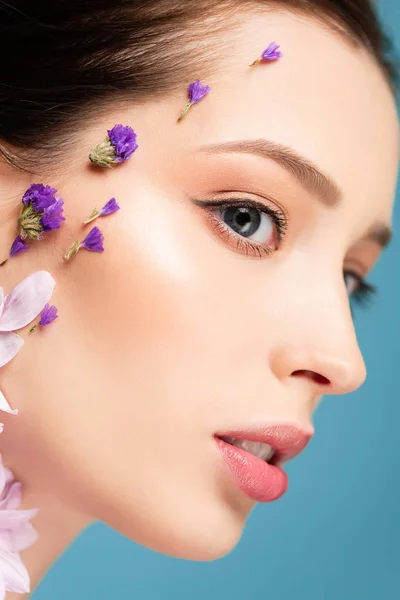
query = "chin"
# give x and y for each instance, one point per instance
(197, 535)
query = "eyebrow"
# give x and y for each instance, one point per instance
(304, 171)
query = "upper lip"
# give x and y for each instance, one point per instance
(287, 439)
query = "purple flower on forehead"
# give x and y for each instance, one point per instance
(94, 240)
(197, 91)
(40, 196)
(270, 53)
(53, 216)
(118, 146)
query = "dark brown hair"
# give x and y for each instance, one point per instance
(63, 58)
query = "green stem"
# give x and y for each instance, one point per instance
(4, 262)
(92, 217)
(72, 251)
(32, 329)
(185, 111)
(255, 62)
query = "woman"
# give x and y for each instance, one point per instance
(188, 357)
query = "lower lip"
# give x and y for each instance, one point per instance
(259, 480)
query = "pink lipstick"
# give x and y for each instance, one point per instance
(260, 480)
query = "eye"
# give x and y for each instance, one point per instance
(249, 226)
(358, 289)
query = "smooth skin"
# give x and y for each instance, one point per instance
(180, 329)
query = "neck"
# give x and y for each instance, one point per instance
(57, 526)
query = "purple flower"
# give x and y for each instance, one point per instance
(53, 215)
(40, 196)
(110, 207)
(94, 240)
(48, 315)
(118, 146)
(197, 91)
(18, 245)
(270, 53)
(123, 138)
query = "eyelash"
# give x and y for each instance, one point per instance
(250, 249)
(362, 296)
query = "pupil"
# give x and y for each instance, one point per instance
(243, 220)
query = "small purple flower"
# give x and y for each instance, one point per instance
(123, 138)
(18, 245)
(110, 207)
(270, 53)
(48, 315)
(118, 146)
(197, 91)
(40, 196)
(94, 240)
(53, 215)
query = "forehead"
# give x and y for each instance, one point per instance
(326, 98)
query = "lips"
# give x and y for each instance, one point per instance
(259, 480)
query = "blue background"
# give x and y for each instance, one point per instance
(335, 536)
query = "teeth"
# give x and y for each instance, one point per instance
(263, 451)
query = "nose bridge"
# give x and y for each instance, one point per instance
(318, 338)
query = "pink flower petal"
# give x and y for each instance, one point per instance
(10, 345)
(23, 537)
(12, 500)
(26, 301)
(12, 519)
(16, 577)
(1, 300)
(4, 406)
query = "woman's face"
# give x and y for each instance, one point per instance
(199, 320)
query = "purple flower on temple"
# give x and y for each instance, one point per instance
(123, 138)
(93, 242)
(270, 53)
(40, 196)
(197, 91)
(110, 207)
(53, 216)
(118, 146)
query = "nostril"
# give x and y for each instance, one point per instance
(317, 377)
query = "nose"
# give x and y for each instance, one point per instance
(321, 349)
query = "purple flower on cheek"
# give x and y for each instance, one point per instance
(49, 314)
(110, 207)
(118, 146)
(93, 242)
(270, 53)
(53, 216)
(197, 91)
(17, 246)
